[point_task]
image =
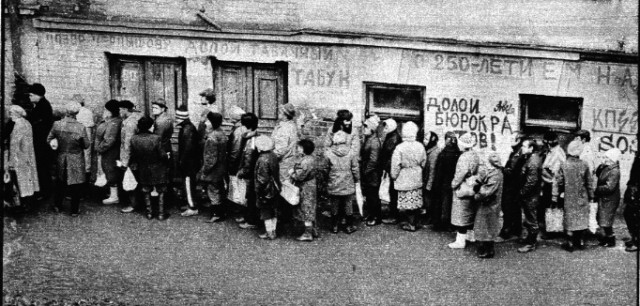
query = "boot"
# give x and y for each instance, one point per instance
(610, 242)
(307, 235)
(147, 202)
(216, 214)
(489, 250)
(578, 242)
(335, 224)
(314, 231)
(482, 249)
(529, 244)
(161, 214)
(460, 242)
(411, 226)
(113, 196)
(633, 246)
(351, 227)
(75, 205)
(569, 244)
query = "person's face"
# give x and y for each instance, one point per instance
(367, 131)
(526, 147)
(299, 150)
(106, 114)
(203, 100)
(34, 98)
(516, 140)
(346, 123)
(281, 115)
(124, 113)
(583, 140)
(156, 110)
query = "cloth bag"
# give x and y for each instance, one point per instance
(237, 190)
(593, 213)
(290, 192)
(553, 218)
(383, 192)
(129, 182)
(101, 178)
(465, 189)
(359, 199)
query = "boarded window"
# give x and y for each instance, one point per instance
(551, 112)
(256, 88)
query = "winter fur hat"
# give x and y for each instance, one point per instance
(372, 122)
(575, 148)
(390, 125)
(264, 143)
(466, 141)
(613, 154)
(409, 131)
(339, 137)
(235, 113)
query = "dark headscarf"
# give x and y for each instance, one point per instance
(433, 140)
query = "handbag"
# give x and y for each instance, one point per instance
(101, 178)
(465, 189)
(359, 199)
(129, 182)
(290, 192)
(553, 218)
(593, 213)
(237, 190)
(383, 192)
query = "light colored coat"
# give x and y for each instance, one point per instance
(22, 158)
(574, 177)
(285, 136)
(72, 141)
(304, 176)
(343, 170)
(129, 127)
(462, 212)
(407, 162)
(489, 197)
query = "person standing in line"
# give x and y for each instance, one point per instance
(248, 160)
(553, 160)
(303, 175)
(149, 163)
(528, 186)
(488, 197)
(163, 127)
(392, 139)
(511, 204)
(41, 119)
(189, 157)
(607, 193)
(208, 101)
(267, 185)
(462, 211)
(108, 147)
(285, 137)
(632, 205)
(235, 148)
(130, 118)
(429, 174)
(587, 154)
(85, 117)
(445, 170)
(343, 122)
(214, 167)
(574, 178)
(370, 167)
(343, 171)
(407, 161)
(21, 159)
(70, 141)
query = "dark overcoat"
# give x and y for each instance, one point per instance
(108, 146)
(488, 202)
(304, 176)
(189, 151)
(214, 158)
(72, 140)
(608, 193)
(148, 159)
(370, 160)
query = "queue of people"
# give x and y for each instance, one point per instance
(455, 188)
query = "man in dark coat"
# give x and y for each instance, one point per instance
(189, 156)
(41, 119)
(391, 141)
(512, 225)
(214, 166)
(246, 170)
(528, 187)
(370, 168)
(632, 206)
(163, 127)
(445, 170)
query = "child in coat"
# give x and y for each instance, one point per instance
(303, 175)
(267, 185)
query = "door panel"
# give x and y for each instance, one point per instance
(128, 83)
(232, 88)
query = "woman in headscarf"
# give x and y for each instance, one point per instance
(462, 212)
(429, 174)
(444, 171)
(108, 148)
(488, 198)
(407, 162)
(21, 159)
(608, 194)
(575, 180)
(70, 141)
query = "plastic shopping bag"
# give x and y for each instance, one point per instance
(553, 218)
(593, 221)
(129, 182)
(237, 190)
(101, 178)
(359, 199)
(383, 192)
(290, 192)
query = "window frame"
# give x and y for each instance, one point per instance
(370, 109)
(536, 124)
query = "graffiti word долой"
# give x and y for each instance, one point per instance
(322, 77)
(464, 114)
(210, 47)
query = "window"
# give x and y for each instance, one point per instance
(143, 80)
(401, 102)
(256, 88)
(551, 112)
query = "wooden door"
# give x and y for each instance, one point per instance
(268, 95)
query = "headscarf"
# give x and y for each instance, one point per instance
(372, 122)
(264, 143)
(390, 125)
(235, 113)
(613, 154)
(466, 141)
(575, 148)
(433, 140)
(409, 131)
(339, 137)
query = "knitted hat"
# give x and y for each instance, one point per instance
(289, 109)
(372, 122)
(182, 113)
(409, 131)
(37, 88)
(390, 125)
(339, 137)
(575, 148)
(235, 113)
(466, 141)
(264, 143)
(613, 154)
